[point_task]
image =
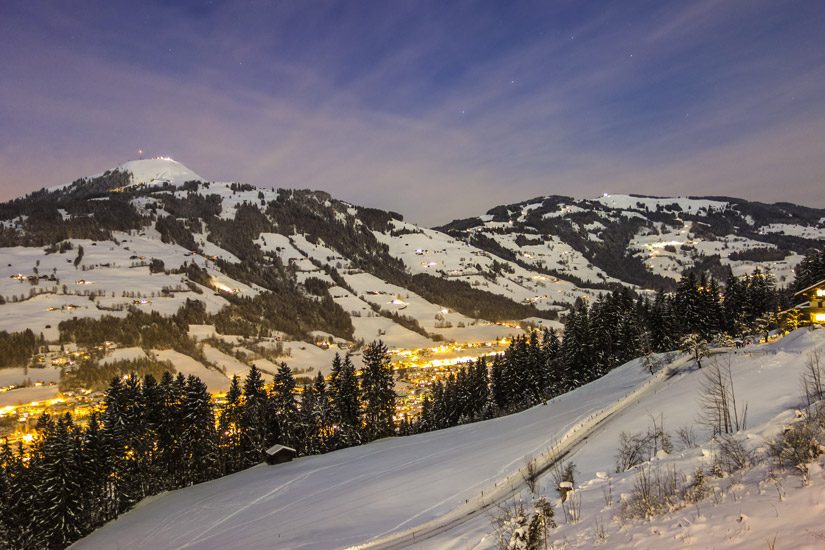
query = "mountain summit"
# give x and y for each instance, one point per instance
(157, 171)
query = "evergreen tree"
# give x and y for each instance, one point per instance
(118, 439)
(498, 382)
(425, 419)
(688, 303)
(254, 419)
(480, 389)
(309, 428)
(165, 415)
(284, 407)
(662, 324)
(137, 456)
(59, 514)
(229, 428)
(761, 295)
(18, 499)
(94, 475)
(810, 270)
(155, 413)
(577, 347)
(378, 391)
(345, 399)
(734, 304)
(322, 416)
(199, 440)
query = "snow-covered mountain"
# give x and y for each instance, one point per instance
(646, 241)
(152, 234)
(444, 489)
(301, 267)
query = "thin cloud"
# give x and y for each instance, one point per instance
(441, 124)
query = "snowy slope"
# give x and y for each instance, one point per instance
(766, 378)
(433, 252)
(546, 253)
(349, 496)
(398, 485)
(158, 170)
(585, 239)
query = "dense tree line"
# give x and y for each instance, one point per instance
(175, 231)
(287, 311)
(154, 436)
(260, 315)
(138, 328)
(598, 337)
(810, 270)
(41, 223)
(93, 375)
(17, 348)
(470, 301)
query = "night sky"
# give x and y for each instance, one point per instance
(437, 110)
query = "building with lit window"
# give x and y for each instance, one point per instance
(813, 308)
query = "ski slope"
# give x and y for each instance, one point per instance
(766, 378)
(350, 496)
(427, 489)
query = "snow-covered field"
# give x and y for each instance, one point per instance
(428, 251)
(214, 379)
(405, 485)
(21, 396)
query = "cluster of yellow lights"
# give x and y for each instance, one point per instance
(820, 292)
(819, 317)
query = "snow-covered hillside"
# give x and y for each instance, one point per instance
(157, 171)
(442, 489)
(645, 240)
(49, 274)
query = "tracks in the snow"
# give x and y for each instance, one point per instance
(515, 482)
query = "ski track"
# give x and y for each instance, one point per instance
(203, 537)
(439, 525)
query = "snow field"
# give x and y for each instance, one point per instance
(765, 377)
(351, 496)
(215, 380)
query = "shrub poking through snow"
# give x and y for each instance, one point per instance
(563, 474)
(518, 529)
(719, 411)
(731, 455)
(657, 491)
(803, 441)
(813, 379)
(641, 447)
